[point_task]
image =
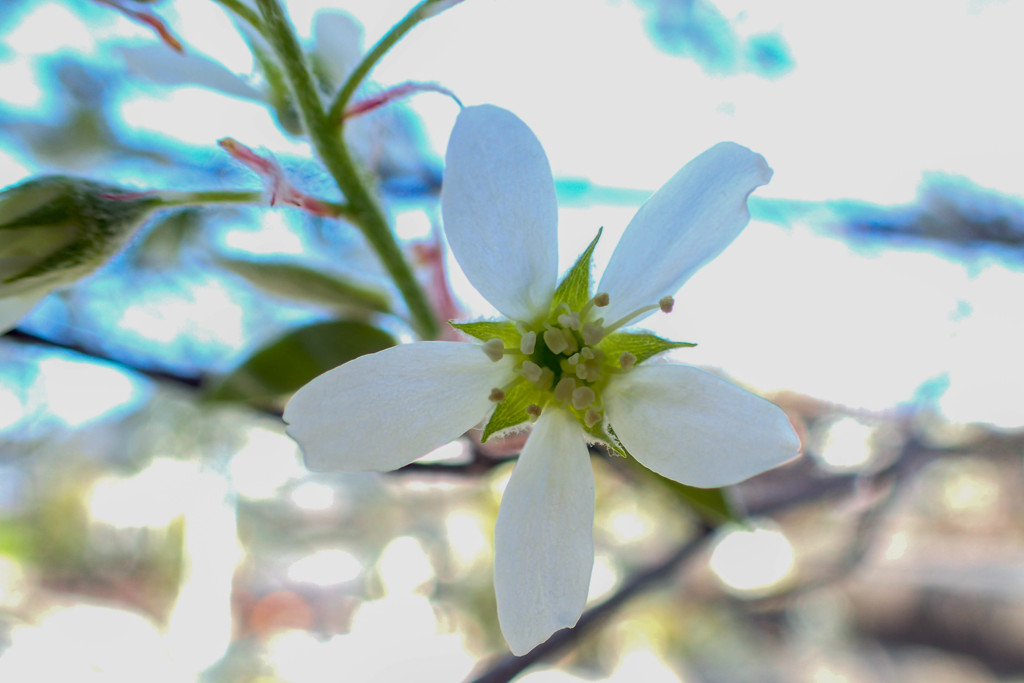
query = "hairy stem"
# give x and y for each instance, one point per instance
(365, 210)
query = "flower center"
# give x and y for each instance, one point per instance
(562, 358)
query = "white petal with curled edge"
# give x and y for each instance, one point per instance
(685, 224)
(500, 211)
(14, 308)
(695, 428)
(543, 541)
(381, 411)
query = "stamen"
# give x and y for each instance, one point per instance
(555, 340)
(533, 410)
(627, 360)
(582, 397)
(495, 349)
(666, 303)
(570, 320)
(563, 392)
(592, 333)
(547, 377)
(587, 353)
(531, 371)
(574, 359)
(601, 299)
(528, 343)
(591, 417)
(497, 395)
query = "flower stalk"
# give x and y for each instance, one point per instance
(365, 210)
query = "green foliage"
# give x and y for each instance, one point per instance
(574, 289)
(290, 361)
(302, 283)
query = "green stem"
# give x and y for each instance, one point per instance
(364, 209)
(337, 110)
(244, 12)
(208, 197)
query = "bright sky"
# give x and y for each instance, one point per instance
(881, 93)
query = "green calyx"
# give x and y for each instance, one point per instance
(566, 358)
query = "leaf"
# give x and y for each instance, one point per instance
(574, 289)
(486, 330)
(290, 361)
(643, 345)
(302, 283)
(511, 412)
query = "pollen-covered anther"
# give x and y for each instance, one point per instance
(555, 340)
(530, 370)
(547, 378)
(574, 359)
(528, 343)
(592, 333)
(588, 372)
(564, 389)
(582, 397)
(570, 320)
(666, 303)
(591, 418)
(602, 299)
(587, 353)
(533, 410)
(495, 349)
(626, 360)
(497, 395)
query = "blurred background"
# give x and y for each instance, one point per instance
(156, 523)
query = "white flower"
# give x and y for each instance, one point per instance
(561, 358)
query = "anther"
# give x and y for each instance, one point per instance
(531, 370)
(587, 353)
(528, 343)
(570, 320)
(555, 340)
(666, 303)
(592, 333)
(591, 417)
(602, 299)
(533, 410)
(627, 360)
(547, 377)
(564, 390)
(574, 359)
(582, 397)
(497, 395)
(495, 349)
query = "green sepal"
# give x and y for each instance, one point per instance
(574, 289)
(511, 412)
(302, 283)
(297, 357)
(606, 435)
(714, 505)
(486, 330)
(643, 345)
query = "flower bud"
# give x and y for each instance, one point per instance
(55, 230)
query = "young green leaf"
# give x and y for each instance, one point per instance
(295, 358)
(302, 283)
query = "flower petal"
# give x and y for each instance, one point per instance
(383, 410)
(695, 428)
(543, 541)
(500, 211)
(14, 308)
(685, 224)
